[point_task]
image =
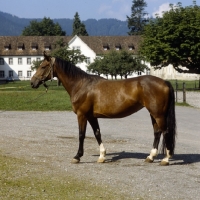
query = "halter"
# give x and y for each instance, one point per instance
(47, 74)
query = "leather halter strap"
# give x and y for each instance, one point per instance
(50, 70)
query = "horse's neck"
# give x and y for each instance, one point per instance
(69, 83)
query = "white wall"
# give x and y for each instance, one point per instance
(15, 67)
(170, 73)
(85, 50)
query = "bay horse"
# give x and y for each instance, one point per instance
(94, 97)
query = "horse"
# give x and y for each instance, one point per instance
(94, 97)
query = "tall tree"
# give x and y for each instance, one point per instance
(138, 18)
(174, 39)
(44, 28)
(78, 26)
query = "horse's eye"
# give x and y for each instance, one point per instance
(43, 67)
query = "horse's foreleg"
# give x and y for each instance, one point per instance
(82, 122)
(157, 134)
(95, 126)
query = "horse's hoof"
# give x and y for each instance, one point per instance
(164, 163)
(101, 160)
(148, 160)
(75, 161)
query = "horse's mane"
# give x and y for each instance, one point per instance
(73, 71)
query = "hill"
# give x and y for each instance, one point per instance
(11, 25)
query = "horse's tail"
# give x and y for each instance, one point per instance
(169, 138)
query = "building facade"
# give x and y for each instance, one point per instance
(18, 52)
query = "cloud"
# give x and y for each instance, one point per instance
(162, 8)
(118, 9)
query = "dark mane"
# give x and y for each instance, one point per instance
(74, 71)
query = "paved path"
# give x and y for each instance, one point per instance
(52, 137)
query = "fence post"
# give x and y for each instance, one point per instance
(176, 91)
(184, 93)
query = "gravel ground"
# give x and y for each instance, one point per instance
(192, 98)
(52, 137)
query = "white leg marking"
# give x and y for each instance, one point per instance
(166, 158)
(102, 153)
(153, 153)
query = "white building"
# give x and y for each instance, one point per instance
(18, 52)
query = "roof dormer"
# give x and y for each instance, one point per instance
(7, 46)
(47, 46)
(118, 46)
(34, 46)
(20, 46)
(131, 46)
(105, 46)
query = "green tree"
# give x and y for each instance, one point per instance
(78, 26)
(117, 63)
(137, 20)
(174, 39)
(64, 52)
(44, 28)
(35, 64)
(96, 67)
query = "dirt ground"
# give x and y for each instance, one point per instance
(52, 137)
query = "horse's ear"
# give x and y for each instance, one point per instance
(46, 57)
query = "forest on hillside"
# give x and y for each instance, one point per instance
(12, 26)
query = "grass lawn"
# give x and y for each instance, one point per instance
(20, 96)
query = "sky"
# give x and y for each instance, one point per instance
(87, 9)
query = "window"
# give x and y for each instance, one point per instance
(34, 46)
(1, 61)
(117, 46)
(131, 47)
(10, 74)
(139, 73)
(20, 74)
(1, 74)
(28, 73)
(20, 46)
(105, 46)
(76, 47)
(7, 46)
(19, 61)
(47, 46)
(28, 61)
(87, 60)
(10, 61)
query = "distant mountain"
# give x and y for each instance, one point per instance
(11, 25)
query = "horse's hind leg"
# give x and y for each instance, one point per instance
(157, 134)
(95, 126)
(165, 160)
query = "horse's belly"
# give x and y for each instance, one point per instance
(113, 111)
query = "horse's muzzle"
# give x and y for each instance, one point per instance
(35, 83)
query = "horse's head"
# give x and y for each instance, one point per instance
(44, 71)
